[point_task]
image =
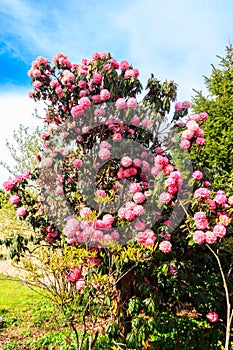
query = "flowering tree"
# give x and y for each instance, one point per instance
(112, 196)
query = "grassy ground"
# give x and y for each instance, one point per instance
(27, 319)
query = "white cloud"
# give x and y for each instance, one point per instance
(16, 109)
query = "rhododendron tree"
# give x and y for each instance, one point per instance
(115, 196)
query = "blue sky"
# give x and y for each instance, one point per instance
(176, 40)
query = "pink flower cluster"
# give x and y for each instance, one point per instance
(146, 238)
(193, 132)
(9, 184)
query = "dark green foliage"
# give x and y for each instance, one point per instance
(217, 154)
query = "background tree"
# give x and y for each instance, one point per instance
(23, 150)
(217, 154)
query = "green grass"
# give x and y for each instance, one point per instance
(25, 316)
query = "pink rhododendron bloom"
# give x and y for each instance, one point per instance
(165, 247)
(115, 235)
(77, 163)
(101, 193)
(139, 197)
(129, 215)
(186, 104)
(220, 197)
(147, 123)
(138, 210)
(82, 84)
(192, 125)
(21, 211)
(114, 63)
(108, 219)
(200, 220)
(135, 120)
(126, 161)
(80, 284)
(199, 237)
(165, 198)
(172, 189)
(77, 110)
(59, 190)
(134, 187)
(14, 199)
(99, 112)
(105, 144)
(104, 154)
(132, 102)
(74, 275)
(71, 228)
(178, 106)
(145, 165)
(185, 144)
(139, 225)
(161, 161)
(206, 183)
(224, 220)
(212, 204)
(84, 102)
(219, 230)
(198, 175)
(85, 212)
(97, 78)
(200, 141)
(104, 95)
(124, 65)
(211, 237)
(147, 237)
(203, 116)
(202, 192)
(187, 134)
(129, 172)
(212, 316)
(121, 103)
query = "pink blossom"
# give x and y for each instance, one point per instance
(77, 163)
(14, 199)
(108, 219)
(77, 110)
(129, 215)
(178, 106)
(165, 198)
(104, 95)
(9, 184)
(126, 161)
(124, 65)
(200, 220)
(99, 112)
(165, 247)
(147, 123)
(71, 228)
(135, 120)
(198, 175)
(114, 63)
(186, 104)
(104, 154)
(200, 141)
(115, 235)
(219, 230)
(129, 73)
(101, 193)
(192, 125)
(147, 237)
(139, 225)
(105, 144)
(59, 190)
(212, 204)
(134, 187)
(136, 162)
(211, 237)
(82, 84)
(220, 197)
(212, 316)
(129, 172)
(85, 212)
(132, 102)
(206, 183)
(139, 197)
(117, 137)
(187, 134)
(97, 78)
(172, 189)
(202, 192)
(224, 220)
(185, 144)
(80, 284)
(85, 102)
(138, 210)
(199, 237)
(203, 116)
(121, 103)
(21, 211)
(74, 275)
